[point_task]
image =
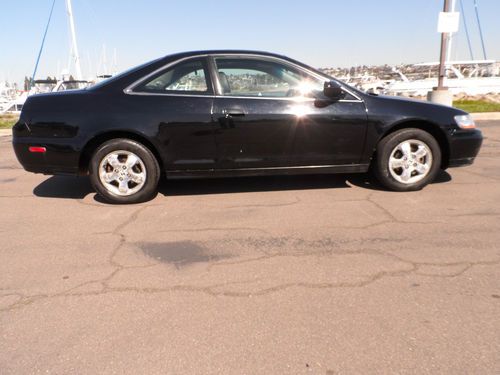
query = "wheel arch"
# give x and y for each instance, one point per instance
(99, 139)
(430, 128)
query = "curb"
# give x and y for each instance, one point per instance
(486, 116)
(5, 132)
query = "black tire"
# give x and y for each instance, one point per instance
(388, 145)
(147, 187)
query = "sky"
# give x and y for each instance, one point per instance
(321, 33)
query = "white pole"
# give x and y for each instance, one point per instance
(104, 59)
(115, 63)
(450, 35)
(73, 39)
(89, 62)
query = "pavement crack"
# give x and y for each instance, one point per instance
(26, 300)
(268, 205)
(215, 289)
(382, 208)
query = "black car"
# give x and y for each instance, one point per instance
(235, 113)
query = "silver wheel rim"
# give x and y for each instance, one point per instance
(410, 161)
(122, 173)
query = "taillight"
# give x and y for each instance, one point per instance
(37, 149)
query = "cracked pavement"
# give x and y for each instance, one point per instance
(270, 275)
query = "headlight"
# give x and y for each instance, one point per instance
(465, 122)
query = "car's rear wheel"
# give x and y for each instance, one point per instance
(124, 171)
(407, 160)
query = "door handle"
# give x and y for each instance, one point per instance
(228, 113)
(226, 121)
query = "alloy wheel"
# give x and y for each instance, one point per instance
(122, 173)
(410, 161)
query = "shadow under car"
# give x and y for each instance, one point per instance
(70, 187)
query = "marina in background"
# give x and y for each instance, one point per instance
(472, 79)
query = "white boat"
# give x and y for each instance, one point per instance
(473, 84)
(42, 86)
(468, 86)
(11, 100)
(14, 106)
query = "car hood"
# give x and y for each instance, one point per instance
(418, 103)
(393, 110)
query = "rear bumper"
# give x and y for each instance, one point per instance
(464, 147)
(59, 158)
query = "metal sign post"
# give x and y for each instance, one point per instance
(448, 23)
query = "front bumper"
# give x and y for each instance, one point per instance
(464, 147)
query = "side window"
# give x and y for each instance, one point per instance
(263, 78)
(189, 77)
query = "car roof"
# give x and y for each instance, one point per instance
(223, 51)
(226, 51)
(174, 56)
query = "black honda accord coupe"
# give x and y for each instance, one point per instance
(235, 113)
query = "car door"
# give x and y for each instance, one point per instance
(270, 113)
(177, 101)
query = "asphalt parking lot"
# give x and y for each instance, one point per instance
(272, 275)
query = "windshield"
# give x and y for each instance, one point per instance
(331, 78)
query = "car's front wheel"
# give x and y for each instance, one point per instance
(124, 171)
(407, 160)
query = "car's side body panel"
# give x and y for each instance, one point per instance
(262, 132)
(182, 128)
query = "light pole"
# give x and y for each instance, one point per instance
(441, 94)
(442, 55)
(453, 6)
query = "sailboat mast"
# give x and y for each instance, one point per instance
(480, 29)
(41, 47)
(73, 40)
(466, 30)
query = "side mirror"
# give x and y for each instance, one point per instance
(333, 90)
